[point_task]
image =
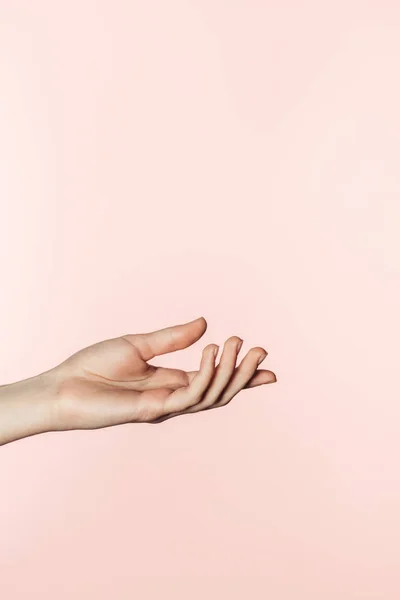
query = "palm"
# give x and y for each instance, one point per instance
(111, 382)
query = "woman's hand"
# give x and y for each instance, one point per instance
(111, 382)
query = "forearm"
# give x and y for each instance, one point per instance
(26, 407)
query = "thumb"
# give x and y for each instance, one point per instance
(169, 339)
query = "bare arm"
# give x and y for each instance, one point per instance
(26, 407)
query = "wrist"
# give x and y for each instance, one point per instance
(27, 407)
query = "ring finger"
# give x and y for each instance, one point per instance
(243, 374)
(222, 376)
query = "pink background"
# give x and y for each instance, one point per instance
(237, 160)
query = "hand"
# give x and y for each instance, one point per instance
(111, 382)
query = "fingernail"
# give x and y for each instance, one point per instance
(240, 344)
(216, 351)
(261, 359)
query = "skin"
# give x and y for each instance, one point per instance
(111, 383)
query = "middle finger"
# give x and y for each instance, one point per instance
(222, 376)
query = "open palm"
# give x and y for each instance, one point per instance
(111, 382)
